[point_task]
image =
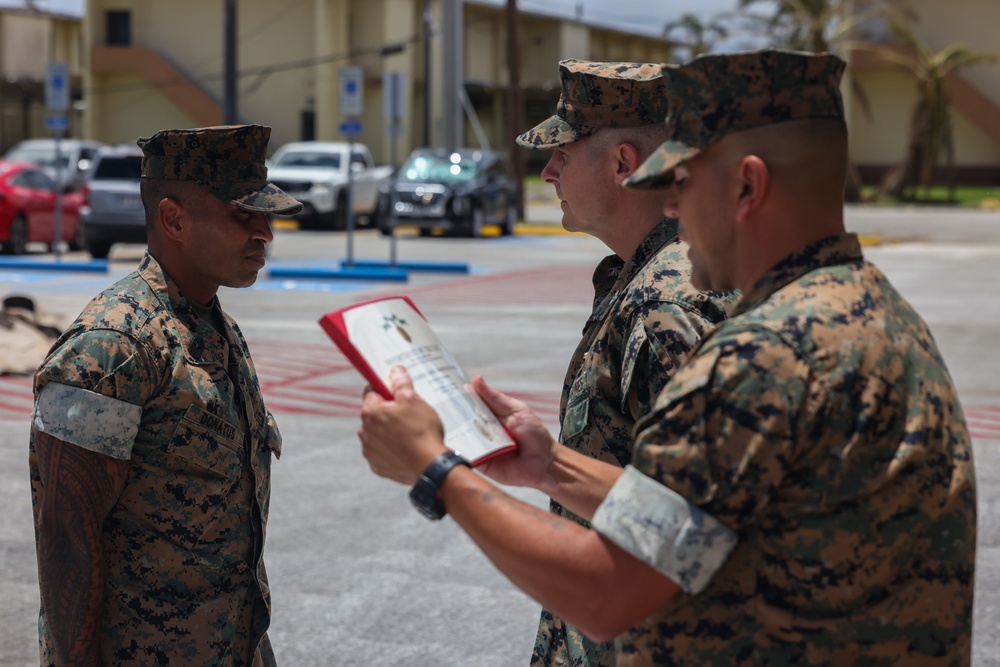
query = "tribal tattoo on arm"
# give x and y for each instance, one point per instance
(78, 488)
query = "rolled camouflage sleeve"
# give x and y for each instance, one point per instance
(90, 392)
(660, 338)
(722, 432)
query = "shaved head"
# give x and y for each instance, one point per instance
(804, 157)
(154, 190)
(645, 138)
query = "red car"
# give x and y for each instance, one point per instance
(28, 208)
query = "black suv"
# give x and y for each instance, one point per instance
(458, 191)
(112, 211)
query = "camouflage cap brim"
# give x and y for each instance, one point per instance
(554, 132)
(658, 169)
(268, 198)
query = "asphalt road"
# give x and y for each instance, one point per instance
(358, 577)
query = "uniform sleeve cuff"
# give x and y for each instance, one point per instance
(659, 527)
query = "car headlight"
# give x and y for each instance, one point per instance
(321, 189)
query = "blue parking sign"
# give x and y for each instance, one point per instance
(350, 128)
(57, 87)
(56, 122)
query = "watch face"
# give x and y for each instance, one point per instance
(423, 495)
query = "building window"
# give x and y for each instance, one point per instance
(307, 130)
(119, 28)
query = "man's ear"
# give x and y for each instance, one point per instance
(754, 180)
(171, 218)
(628, 161)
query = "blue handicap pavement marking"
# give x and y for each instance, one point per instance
(443, 267)
(32, 264)
(320, 286)
(325, 271)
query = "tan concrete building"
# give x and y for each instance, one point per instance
(159, 63)
(879, 142)
(140, 65)
(29, 40)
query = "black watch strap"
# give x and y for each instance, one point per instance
(423, 495)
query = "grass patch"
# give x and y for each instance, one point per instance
(967, 196)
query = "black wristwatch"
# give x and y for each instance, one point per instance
(423, 495)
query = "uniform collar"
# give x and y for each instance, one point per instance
(181, 307)
(831, 251)
(614, 269)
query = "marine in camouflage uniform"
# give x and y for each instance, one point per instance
(149, 377)
(646, 315)
(806, 477)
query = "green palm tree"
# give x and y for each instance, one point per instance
(813, 25)
(819, 26)
(698, 37)
(931, 127)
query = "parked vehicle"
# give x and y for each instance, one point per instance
(28, 208)
(315, 173)
(74, 158)
(112, 209)
(458, 191)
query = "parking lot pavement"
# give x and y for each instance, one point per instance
(357, 576)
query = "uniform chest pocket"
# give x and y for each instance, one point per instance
(575, 419)
(208, 442)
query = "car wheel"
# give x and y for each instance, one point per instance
(17, 239)
(80, 240)
(476, 222)
(99, 249)
(510, 219)
(338, 216)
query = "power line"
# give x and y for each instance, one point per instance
(265, 70)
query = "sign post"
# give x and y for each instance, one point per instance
(352, 90)
(57, 101)
(393, 108)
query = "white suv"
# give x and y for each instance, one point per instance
(75, 156)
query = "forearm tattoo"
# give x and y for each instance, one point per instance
(78, 489)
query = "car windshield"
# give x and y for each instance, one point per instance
(125, 168)
(455, 167)
(309, 160)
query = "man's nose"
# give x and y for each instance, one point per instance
(550, 174)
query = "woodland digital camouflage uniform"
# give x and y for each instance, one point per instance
(646, 315)
(646, 318)
(183, 543)
(820, 425)
(599, 95)
(179, 399)
(712, 96)
(228, 161)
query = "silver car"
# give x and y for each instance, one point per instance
(112, 211)
(75, 156)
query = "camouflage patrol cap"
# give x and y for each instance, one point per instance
(597, 95)
(227, 160)
(714, 95)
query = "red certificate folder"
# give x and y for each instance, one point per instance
(379, 334)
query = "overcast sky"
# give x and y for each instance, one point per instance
(648, 15)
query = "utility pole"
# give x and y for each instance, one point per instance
(428, 35)
(229, 112)
(515, 105)
(453, 56)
